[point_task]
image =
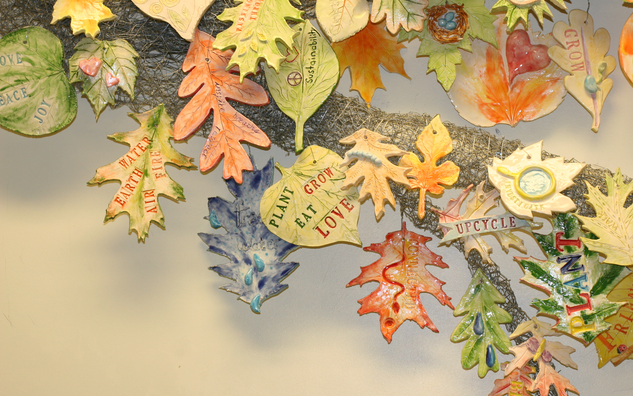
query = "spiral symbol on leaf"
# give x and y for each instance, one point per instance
(169, 3)
(294, 78)
(156, 8)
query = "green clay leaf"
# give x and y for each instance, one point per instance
(36, 97)
(305, 79)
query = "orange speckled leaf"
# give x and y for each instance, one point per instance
(212, 86)
(514, 384)
(486, 92)
(85, 15)
(547, 377)
(434, 143)
(364, 52)
(402, 274)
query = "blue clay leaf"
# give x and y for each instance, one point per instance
(255, 267)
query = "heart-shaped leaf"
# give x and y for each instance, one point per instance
(36, 97)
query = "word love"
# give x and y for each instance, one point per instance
(484, 225)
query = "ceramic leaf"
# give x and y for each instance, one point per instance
(512, 83)
(364, 52)
(616, 344)
(574, 278)
(515, 383)
(406, 14)
(583, 54)
(402, 274)
(341, 19)
(211, 86)
(307, 206)
(527, 184)
(182, 15)
(85, 15)
(613, 224)
(433, 143)
(258, 26)
(518, 10)
(474, 223)
(305, 79)
(442, 42)
(36, 97)
(372, 168)
(142, 172)
(625, 49)
(255, 267)
(103, 67)
(548, 377)
(480, 327)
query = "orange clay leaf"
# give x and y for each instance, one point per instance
(372, 168)
(364, 52)
(514, 384)
(85, 15)
(434, 143)
(547, 377)
(487, 91)
(212, 86)
(402, 274)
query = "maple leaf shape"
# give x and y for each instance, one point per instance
(574, 278)
(256, 254)
(527, 184)
(476, 208)
(307, 206)
(616, 344)
(85, 15)
(486, 90)
(116, 63)
(480, 327)
(588, 82)
(142, 172)
(516, 383)
(402, 274)
(406, 14)
(341, 19)
(259, 28)
(518, 10)
(183, 16)
(212, 86)
(548, 377)
(372, 168)
(613, 224)
(364, 52)
(434, 143)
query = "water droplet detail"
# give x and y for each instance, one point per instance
(213, 219)
(490, 355)
(259, 263)
(478, 327)
(255, 305)
(248, 278)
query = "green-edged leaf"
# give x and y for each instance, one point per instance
(480, 22)
(142, 171)
(117, 70)
(257, 27)
(36, 97)
(516, 13)
(443, 62)
(305, 79)
(406, 14)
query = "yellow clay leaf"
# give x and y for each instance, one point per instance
(85, 15)
(434, 143)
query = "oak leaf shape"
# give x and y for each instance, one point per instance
(548, 377)
(402, 274)
(364, 52)
(341, 19)
(258, 31)
(485, 94)
(373, 168)
(212, 85)
(433, 143)
(477, 207)
(588, 82)
(256, 268)
(516, 383)
(613, 224)
(118, 62)
(142, 172)
(406, 14)
(85, 15)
